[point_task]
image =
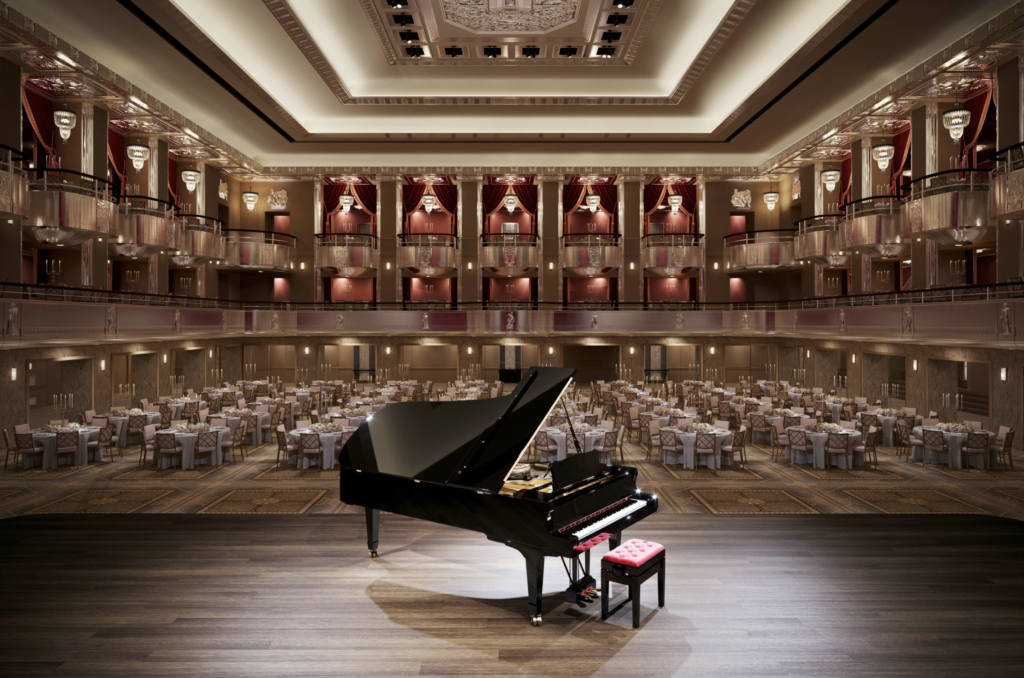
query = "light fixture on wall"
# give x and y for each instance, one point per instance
(716, 265)
(1002, 374)
(551, 265)
(387, 350)
(675, 202)
(470, 265)
(469, 350)
(915, 366)
(302, 266)
(551, 350)
(307, 350)
(631, 265)
(387, 266)
(711, 350)
(65, 122)
(808, 353)
(510, 203)
(853, 358)
(771, 197)
(630, 350)
(429, 203)
(138, 154)
(103, 365)
(250, 197)
(593, 202)
(191, 179)
(211, 352)
(165, 358)
(14, 374)
(882, 154)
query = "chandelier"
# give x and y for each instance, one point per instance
(593, 202)
(138, 154)
(429, 203)
(675, 202)
(510, 203)
(65, 122)
(955, 120)
(882, 154)
(771, 197)
(830, 177)
(250, 197)
(191, 179)
(346, 201)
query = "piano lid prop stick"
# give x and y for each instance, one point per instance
(572, 430)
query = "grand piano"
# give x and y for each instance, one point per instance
(452, 462)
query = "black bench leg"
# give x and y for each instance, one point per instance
(605, 594)
(661, 585)
(634, 593)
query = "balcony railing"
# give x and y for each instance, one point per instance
(202, 241)
(949, 207)
(760, 250)
(819, 241)
(591, 255)
(1006, 184)
(672, 254)
(259, 250)
(68, 207)
(428, 255)
(509, 254)
(348, 255)
(13, 184)
(147, 226)
(872, 226)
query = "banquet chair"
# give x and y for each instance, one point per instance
(606, 446)
(251, 429)
(860, 400)
(1004, 450)
(100, 422)
(789, 422)
(780, 441)
(704, 446)
(103, 440)
(838, 445)
(214, 406)
(720, 423)
(145, 402)
(118, 426)
(645, 429)
(236, 442)
(309, 447)
(165, 419)
(848, 425)
(976, 425)
(22, 428)
(935, 443)
(653, 437)
(303, 423)
(590, 419)
(758, 424)
(136, 425)
(846, 413)
(798, 442)
(726, 413)
(26, 447)
(557, 420)
(240, 403)
(291, 399)
(735, 448)
(706, 418)
(600, 414)
(808, 402)
(208, 443)
(867, 450)
(218, 421)
(634, 422)
(670, 445)
(166, 445)
(910, 410)
(976, 446)
(277, 419)
(10, 448)
(89, 414)
(203, 415)
(178, 422)
(618, 444)
(58, 422)
(932, 414)
(929, 422)
(797, 410)
(546, 448)
(607, 425)
(868, 421)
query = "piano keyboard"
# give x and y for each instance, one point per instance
(609, 517)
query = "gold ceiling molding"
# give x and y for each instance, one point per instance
(728, 25)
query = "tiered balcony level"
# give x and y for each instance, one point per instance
(592, 255)
(249, 250)
(147, 226)
(349, 255)
(819, 241)
(872, 226)
(1006, 184)
(949, 207)
(428, 255)
(14, 202)
(509, 255)
(760, 250)
(67, 208)
(202, 241)
(672, 255)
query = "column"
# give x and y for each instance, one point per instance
(702, 274)
(470, 224)
(318, 229)
(549, 223)
(388, 215)
(631, 206)
(715, 221)
(10, 135)
(1008, 104)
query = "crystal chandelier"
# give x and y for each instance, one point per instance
(830, 178)
(593, 202)
(955, 120)
(771, 197)
(675, 202)
(510, 203)
(65, 122)
(250, 197)
(429, 203)
(346, 201)
(138, 154)
(191, 179)
(882, 154)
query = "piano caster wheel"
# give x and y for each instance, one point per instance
(373, 554)
(535, 621)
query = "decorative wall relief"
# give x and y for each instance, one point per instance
(222, 190)
(177, 321)
(1005, 325)
(278, 200)
(908, 321)
(796, 188)
(745, 322)
(740, 198)
(842, 320)
(13, 325)
(275, 323)
(111, 326)
(426, 321)
(510, 322)
(223, 321)
(593, 323)
(339, 323)
(679, 321)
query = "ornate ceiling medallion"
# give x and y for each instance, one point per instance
(487, 17)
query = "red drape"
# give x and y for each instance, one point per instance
(115, 153)
(447, 198)
(845, 181)
(653, 196)
(40, 116)
(172, 181)
(527, 196)
(689, 193)
(979, 111)
(572, 196)
(609, 195)
(902, 144)
(492, 198)
(332, 202)
(412, 196)
(366, 196)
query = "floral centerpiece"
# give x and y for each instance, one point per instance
(349, 412)
(692, 382)
(190, 428)
(695, 427)
(127, 410)
(301, 391)
(887, 412)
(178, 401)
(718, 390)
(234, 410)
(55, 428)
(953, 427)
(780, 412)
(750, 401)
(666, 411)
(827, 428)
(375, 400)
(838, 400)
(800, 391)
(568, 407)
(320, 382)
(579, 428)
(254, 383)
(327, 427)
(648, 400)
(266, 400)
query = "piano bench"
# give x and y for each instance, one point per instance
(632, 564)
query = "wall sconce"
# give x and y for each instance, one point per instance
(302, 266)
(716, 265)
(631, 265)
(387, 350)
(915, 366)
(387, 266)
(470, 265)
(1002, 374)
(469, 350)
(712, 350)
(103, 365)
(30, 367)
(630, 350)
(551, 350)
(14, 374)
(307, 350)
(808, 353)
(165, 358)
(853, 357)
(551, 265)
(211, 352)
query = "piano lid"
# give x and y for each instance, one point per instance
(474, 443)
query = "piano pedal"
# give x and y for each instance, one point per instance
(535, 621)
(373, 553)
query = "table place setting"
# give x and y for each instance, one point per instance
(686, 435)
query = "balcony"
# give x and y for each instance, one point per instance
(872, 226)
(1006, 184)
(670, 255)
(760, 251)
(428, 255)
(146, 226)
(592, 255)
(509, 255)
(949, 207)
(67, 208)
(819, 241)
(14, 201)
(349, 255)
(249, 250)
(202, 241)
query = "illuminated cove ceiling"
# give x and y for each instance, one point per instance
(695, 87)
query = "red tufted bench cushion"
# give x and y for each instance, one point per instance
(634, 552)
(592, 542)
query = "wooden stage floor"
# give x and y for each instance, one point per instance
(280, 596)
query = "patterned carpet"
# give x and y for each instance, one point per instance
(256, 485)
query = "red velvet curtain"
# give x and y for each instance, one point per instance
(40, 116)
(902, 144)
(527, 196)
(845, 181)
(609, 195)
(979, 112)
(332, 203)
(689, 193)
(492, 198)
(572, 196)
(172, 181)
(447, 198)
(654, 194)
(412, 196)
(366, 196)
(115, 153)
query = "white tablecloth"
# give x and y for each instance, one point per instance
(86, 434)
(328, 457)
(176, 408)
(689, 441)
(955, 442)
(151, 418)
(354, 422)
(233, 420)
(837, 408)
(589, 439)
(188, 448)
(818, 442)
(888, 424)
(666, 421)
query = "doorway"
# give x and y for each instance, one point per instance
(592, 363)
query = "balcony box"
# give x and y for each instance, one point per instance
(350, 255)
(509, 255)
(67, 208)
(672, 255)
(949, 207)
(259, 250)
(760, 251)
(591, 255)
(872, 226)
(428, 255)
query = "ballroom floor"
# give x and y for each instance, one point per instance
(279, 596)
(762, 486)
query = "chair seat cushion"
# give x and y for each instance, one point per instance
(995, 448)
(592, 542)
(915, 441)
(634, 552)
(784, 440)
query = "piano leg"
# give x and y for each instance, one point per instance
(614, 541)
(372, 530)
(534, 582)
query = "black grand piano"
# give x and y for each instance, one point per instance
(451, 462)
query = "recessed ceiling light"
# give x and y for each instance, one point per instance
(398, 4)
(491, 52)
(531, 52)
(402, 19)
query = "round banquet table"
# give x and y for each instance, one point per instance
(689, 441)
(590, 438)
(354, 422)
(188, 447)
(328, 458)
(818, 442)
(888, 424)
(955, 441)
(86, 434)
(665, 422)
(176, 408)
(151, 418)
(837, 409)
(233, 420)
